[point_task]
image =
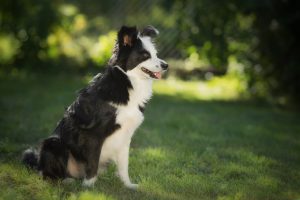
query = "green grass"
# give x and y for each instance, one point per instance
(190, 146)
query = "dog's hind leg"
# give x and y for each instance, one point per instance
(92, 155)
(53, 158)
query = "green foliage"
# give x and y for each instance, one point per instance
(71, 39)
(30, 23)
(9, 47)
(275, 63)
(102, 50)
(198, 149)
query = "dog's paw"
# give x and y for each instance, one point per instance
(132, 186)
(89, 182)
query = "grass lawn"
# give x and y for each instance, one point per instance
(189, 146)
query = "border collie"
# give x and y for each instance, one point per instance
(97, 127)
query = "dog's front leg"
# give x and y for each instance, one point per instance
(122, 165)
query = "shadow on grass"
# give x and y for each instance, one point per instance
(185, 149)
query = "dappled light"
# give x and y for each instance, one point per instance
(73, 40)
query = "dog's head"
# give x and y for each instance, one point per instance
(135, 51)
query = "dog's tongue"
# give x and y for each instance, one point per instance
(157, 75)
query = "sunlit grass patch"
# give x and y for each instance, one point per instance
(225, 88)
(16, 182)
(155, 153)
(90, 196)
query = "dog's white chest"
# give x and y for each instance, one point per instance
(129, 117)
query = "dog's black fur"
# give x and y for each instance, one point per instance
(91, 118)
(85, 125)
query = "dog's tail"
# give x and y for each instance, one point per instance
(30, 158)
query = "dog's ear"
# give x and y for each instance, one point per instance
(149, 31)
(127, 36)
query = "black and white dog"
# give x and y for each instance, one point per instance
(97, 127)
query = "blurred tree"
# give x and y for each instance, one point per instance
(208, 25)
(277, 27)
(262, 34)
(30, 22)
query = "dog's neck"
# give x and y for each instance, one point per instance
(141, 84)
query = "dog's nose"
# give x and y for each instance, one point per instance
(164, 65)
